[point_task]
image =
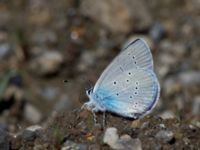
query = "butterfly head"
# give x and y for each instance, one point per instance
(89, 92)
(90, 104)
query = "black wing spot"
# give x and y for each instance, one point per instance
(127, 80)
(136, 87)
(135, 62)
(129, 73)
(133, 57)
(135, 93)
(117, 94)
(114, 82)
(131, 96)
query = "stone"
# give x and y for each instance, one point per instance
(136, 123)
(87, 59)
(156, 146)
(49, 62)
(128, 16)
(157, 32)
(32, 114)
(5, 50)
(162, 126)
(196, 123)
(34, 128)
(44, 37)
(28, 135)
(129, 143)
(167, 115)
(72, 145)
(4, 139)
(196, 106)
(165, 136)
(189, 77)
(111, 138)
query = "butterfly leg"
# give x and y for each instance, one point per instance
(84, 106)
(104, 119)
(94, 117)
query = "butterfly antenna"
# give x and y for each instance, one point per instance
(87, 84)
(79, 109)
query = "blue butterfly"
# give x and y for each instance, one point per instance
(128, 86)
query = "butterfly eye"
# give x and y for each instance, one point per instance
(89, 91)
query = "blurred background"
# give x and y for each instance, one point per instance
(44, 42)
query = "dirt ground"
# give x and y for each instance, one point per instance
(52, 51)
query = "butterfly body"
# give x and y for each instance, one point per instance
(128, 86)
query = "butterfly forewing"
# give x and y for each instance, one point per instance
(136, 54)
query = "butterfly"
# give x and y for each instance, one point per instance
(128, 86)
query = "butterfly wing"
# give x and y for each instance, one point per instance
(130, 93)
(136, 54)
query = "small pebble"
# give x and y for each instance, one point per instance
(111, 137)
(196, 106)
(165, 136)
(189, 77)
(42, 37)
(47, 63)
(157, 32)
(28, 135)
(34, 128)
(130, 144)
(125, 142)
(70, 145)
(167, 115)
(136, 123)
(32, 114)
(4, 139)
(5, 50)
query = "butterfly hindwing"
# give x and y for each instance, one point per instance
(131, 92)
